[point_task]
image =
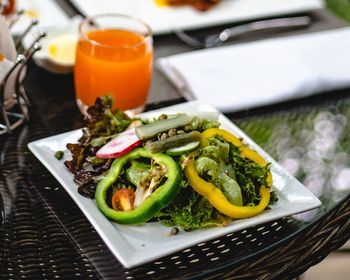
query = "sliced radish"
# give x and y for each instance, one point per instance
(121, 145)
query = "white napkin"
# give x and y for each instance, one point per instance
(7, 45)
(264, 72)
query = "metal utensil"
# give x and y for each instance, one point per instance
(16, 17)
(32, 23)
(229, 33)
(22, 98)
(11, 118)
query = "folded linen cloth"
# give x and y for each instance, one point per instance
(265, 72)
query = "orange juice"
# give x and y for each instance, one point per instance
(116, 62)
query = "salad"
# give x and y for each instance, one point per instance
(184, 171)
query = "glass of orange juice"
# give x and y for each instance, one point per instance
(114, 57)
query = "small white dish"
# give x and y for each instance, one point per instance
(135, 245)
(64, 38)
(57, 63)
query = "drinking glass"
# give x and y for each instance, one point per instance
(114, 57)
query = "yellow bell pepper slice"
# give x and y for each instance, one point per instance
(223, 133)
(214, 194)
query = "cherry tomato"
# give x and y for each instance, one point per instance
(123, 200)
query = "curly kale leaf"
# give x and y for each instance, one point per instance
(198, 124)
(250, 176)
(190, 211)
(218, 149)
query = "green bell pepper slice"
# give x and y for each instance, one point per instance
(159, 199)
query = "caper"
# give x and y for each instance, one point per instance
(59, 155)
(147, 142)
(174, 231)
(180, 132)
(162, 117)
(187, 128)
(172, 132)
(163, 136)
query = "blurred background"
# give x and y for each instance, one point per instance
(340, 7)
(336, 265)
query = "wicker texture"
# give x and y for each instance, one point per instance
(290, 259)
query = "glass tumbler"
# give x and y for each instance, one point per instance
(114, 57)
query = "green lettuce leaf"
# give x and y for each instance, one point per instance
(190, 211)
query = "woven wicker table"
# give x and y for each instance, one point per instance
(44, 235)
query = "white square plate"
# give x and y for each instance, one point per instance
(135, 245)
(167, 19)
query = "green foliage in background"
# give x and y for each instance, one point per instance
(340, 7)
(311, 142)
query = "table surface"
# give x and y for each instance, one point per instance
(45, 235)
